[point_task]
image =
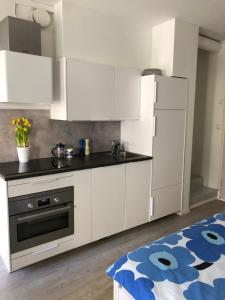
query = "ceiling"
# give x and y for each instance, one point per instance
(208, 14)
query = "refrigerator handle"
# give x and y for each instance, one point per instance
(154, 126)
(156, 91)
(151, 207)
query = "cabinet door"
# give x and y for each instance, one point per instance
(168, 148)
(82, 207)
(108, 201)
(137, 194)
(90, 91)
(127, 93)
(25, 78)
(171, 93)
(165, 201)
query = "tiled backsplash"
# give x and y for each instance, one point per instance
(46, 133)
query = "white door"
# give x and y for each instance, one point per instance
(90, 91)
(108, 201)
(127, 93)
(165, 201)
(171, 93)
(137, 193)
(82, 207)
(168, 148)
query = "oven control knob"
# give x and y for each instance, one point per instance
(56, 200)
(30, 205)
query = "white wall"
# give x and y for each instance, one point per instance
(93, 36)
(162, 53)
(209, 115)
(181, 40)
(200, 112)
(185, 65)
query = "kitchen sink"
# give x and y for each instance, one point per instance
(123, 154)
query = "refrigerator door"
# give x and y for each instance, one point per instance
(168, 148)
(165, 201)
(170, 93)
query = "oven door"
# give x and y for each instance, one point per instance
(41, 226)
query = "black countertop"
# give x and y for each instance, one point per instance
(47, 166)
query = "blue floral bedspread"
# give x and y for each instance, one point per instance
(189, 264)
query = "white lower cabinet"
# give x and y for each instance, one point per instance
(137, 199)
(107, 200)
(82, 207)
(108, 205)
(39, 253)
(165, 201)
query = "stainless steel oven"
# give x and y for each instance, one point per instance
(39, 218)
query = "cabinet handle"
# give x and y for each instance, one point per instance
(43, 214)
(154, 126)
(49, 180)
(46, 249)
(45, 181)
(156, 91)
(151, 207)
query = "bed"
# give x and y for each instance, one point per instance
(189, 264)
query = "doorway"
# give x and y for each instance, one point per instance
(208, 128)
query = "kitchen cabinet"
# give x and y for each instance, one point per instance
(165, 201)
(39, 184)
(127, 93)
(107, 200)
(82, 207)
(137, 198)
(94, 92)
(168, 148)
(170, 92)
(108, 205)
(25, 78)
(160, 133)
(88, 93)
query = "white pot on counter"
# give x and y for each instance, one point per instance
(23, 154)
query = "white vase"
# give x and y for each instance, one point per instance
(23, 154)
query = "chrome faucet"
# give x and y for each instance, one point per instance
(115, 147)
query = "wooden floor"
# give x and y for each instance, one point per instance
(80, 274)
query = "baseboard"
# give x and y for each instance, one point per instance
(183, 212)
(203, 202)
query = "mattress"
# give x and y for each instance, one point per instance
(189, 264)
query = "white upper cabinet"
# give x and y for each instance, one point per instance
(85, 91)
(25, 78)
(127, 93)
(170, 93)
(90, 91)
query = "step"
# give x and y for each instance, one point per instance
(196, 182)
(202, 195)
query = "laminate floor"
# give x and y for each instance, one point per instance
(80, 274)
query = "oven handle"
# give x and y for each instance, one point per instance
(43, 214)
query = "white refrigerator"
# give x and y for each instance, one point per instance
(160, 133)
